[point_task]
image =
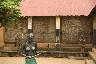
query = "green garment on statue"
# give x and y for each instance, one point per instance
(31, 61)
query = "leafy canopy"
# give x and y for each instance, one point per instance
(9, 11)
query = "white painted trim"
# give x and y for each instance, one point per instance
(29, 22)
(58, 22)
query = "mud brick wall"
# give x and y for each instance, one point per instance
(44, 29)
(76, 30)
(19, 30)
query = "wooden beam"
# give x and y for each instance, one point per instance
(53, 45)
(94, 31)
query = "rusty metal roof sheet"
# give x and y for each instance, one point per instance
(57, 7)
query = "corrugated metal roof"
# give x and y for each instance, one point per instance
(57, 7)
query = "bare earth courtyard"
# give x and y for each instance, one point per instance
(43, 60)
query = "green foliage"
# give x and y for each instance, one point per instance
(9, 11)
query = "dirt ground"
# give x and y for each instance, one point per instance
(43, 60)
(12, 60)
(58, 61)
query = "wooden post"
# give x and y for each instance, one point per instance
(94, 31)
(29, 22)
(94, 23)
(57, 29)
(30, 25)
(1, 36)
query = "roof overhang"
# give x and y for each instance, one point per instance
(56, 7)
